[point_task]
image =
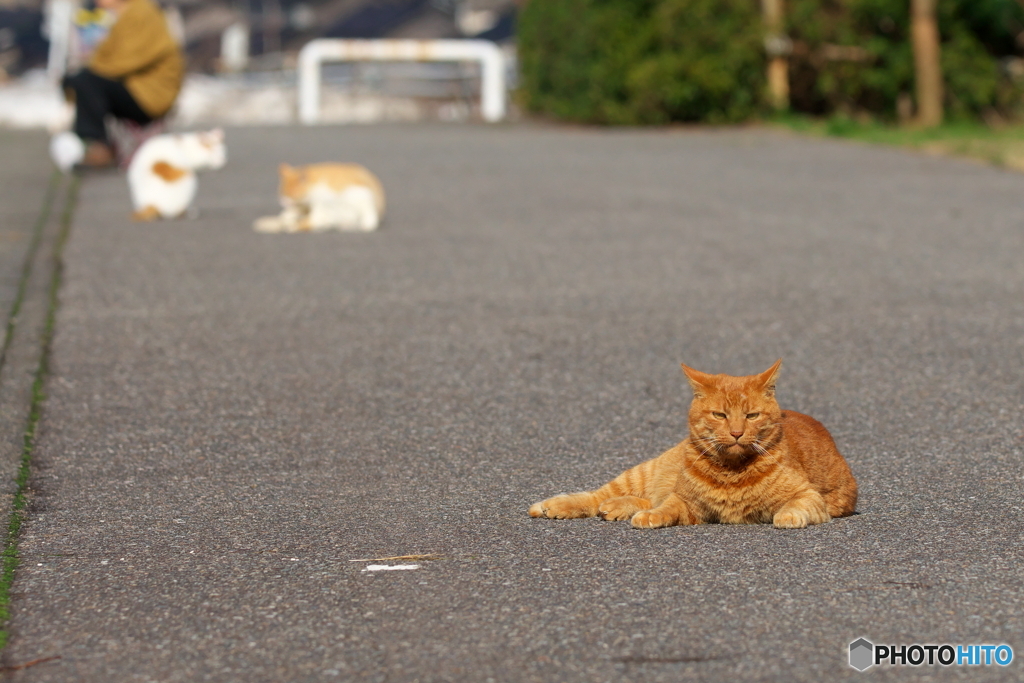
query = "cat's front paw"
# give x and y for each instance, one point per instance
(570, 506)
(622, 508)
(793, 518)
(537, 510)
(268, 224)
(652, 519)
(790, 519)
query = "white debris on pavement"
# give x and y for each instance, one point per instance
(389, 567)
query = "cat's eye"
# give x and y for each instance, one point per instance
(720, 416)
(753, 416)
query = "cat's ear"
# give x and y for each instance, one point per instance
(700, 381)
(217, 134)
(767, 378)
(286, 170)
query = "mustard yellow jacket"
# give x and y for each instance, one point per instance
(140, 52)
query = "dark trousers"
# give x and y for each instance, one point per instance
(96, 98)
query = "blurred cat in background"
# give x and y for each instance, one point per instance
(325, 196)
(162, 176)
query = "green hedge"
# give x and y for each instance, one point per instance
(642, 61)
(656, 61)
(974, 34)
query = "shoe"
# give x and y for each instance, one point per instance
(97, 155)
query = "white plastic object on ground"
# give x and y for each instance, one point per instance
(66, 150)
(389, 567)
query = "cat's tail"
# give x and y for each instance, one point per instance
(148, 213)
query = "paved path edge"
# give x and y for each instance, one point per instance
(23, 370)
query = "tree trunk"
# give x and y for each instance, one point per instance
(777, 47)
(927, 65)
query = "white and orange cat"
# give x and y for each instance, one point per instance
(326, 196)
(745, 461)
(162, 176)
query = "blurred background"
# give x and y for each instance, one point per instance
(242, 56)
(943, 73)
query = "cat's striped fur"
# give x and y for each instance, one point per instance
(745, 461)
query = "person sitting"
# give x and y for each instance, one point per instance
(135, 73)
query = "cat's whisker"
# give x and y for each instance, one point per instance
(705, 452)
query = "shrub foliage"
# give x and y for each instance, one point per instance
(656, 61)
(879, 69)
(642, 61)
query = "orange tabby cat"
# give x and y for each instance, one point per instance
(746, 461)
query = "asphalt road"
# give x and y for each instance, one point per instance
(24, 177)
(30, 207)
(232, 417)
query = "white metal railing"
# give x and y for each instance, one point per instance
(58, 29)
(316, 52)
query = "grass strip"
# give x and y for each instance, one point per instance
(997, 145)
(26, 268)
(10, 553)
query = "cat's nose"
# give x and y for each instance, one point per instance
(736, 435)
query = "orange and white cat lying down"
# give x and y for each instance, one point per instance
(325, 196)
(746, 461)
